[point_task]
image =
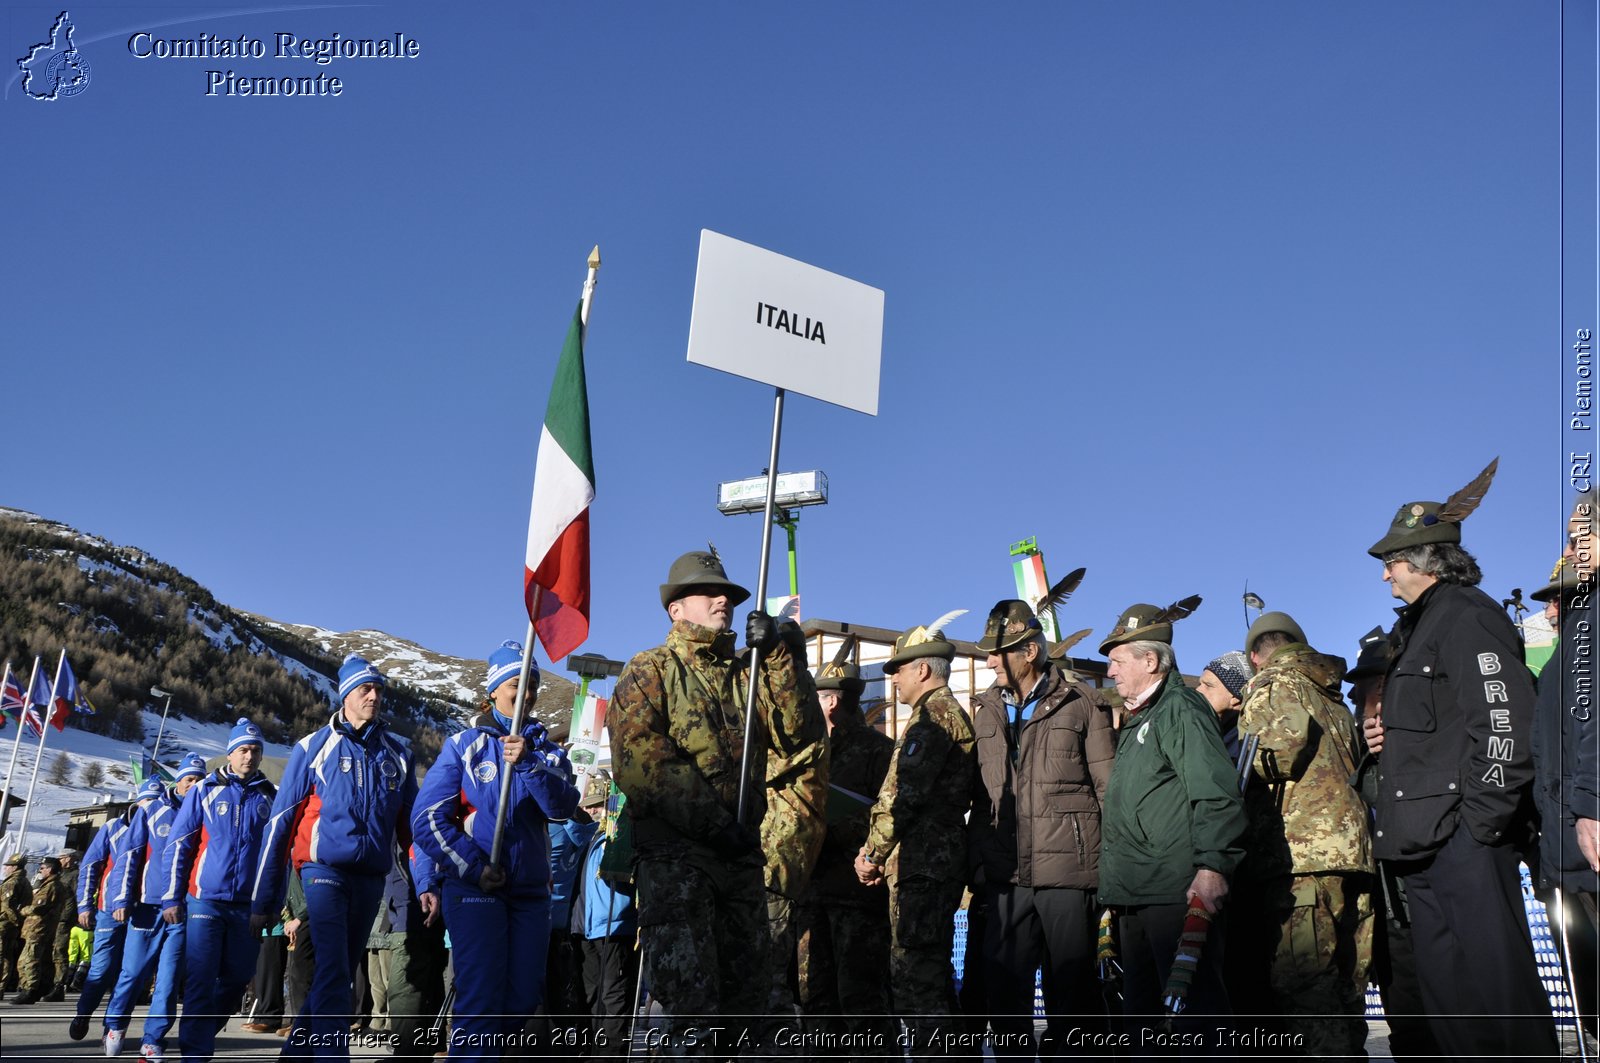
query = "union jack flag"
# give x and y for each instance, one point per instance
(12, 700)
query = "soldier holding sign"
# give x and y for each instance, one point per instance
(677, 723)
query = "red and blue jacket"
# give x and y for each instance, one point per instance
(215, 842)
(456, 808)
(140, 878)
(344, 798)
(96, 881)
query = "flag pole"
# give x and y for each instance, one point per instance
(11, 769)
(44, 729)
(761, 604)
(520, 712)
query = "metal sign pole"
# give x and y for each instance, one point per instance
(761, 603)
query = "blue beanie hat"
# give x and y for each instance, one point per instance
(245, 733)
(356, 671)
(192, 764)
(151, 790)
(506, 662)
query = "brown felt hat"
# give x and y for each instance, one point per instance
(924, 640)
(1011, 623)
(696, 570)
(1134, 625)
(845, 677)
(1421, 523)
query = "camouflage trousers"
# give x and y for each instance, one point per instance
(842, 958)
(1321, 960)
(922, 920)
(10, 953)
(58, 951)
(36, 970)
(706, 950)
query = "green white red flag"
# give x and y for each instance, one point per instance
(556, 573)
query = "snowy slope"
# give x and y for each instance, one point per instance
(47, 819)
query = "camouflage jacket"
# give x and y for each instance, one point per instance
(1310, 819)
(797, 790)
(47, 904)
(677, 737)
(858, 761)
(15, 894)
(918, 824)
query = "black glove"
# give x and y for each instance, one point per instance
(735, 841)
(794, 640)
(761, 631)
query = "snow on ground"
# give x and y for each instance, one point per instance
(47, 810)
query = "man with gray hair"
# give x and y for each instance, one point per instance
(1453, 784)
(1170, 829)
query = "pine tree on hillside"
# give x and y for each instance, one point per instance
(60, 770)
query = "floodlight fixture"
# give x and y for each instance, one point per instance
(593, 665)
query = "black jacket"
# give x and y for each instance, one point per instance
(1457, 716)
(1564, 743)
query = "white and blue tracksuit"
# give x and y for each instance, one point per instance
(211, 859)
(153, 946)
(96, 886)
(503, 936)
(346, 795)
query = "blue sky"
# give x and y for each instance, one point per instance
(1196, 293)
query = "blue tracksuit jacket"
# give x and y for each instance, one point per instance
(215, 842)
(96, 879)
(454, 820)
(343, 799)
(139, 878)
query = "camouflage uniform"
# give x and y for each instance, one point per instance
(15, 894)
(36, 969)
(793, 829)
(677, 741)
(843, 926)
(918, 833)
(1312, 850)
(69, 919)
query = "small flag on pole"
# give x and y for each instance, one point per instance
(556, 572)
(65, 696)
(38, 698)
(12, 699)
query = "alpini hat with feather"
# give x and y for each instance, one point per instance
(840, 673)
(1012, 621)
(1420, 523)
(924, 640)
(1143, 622)
(700, 568)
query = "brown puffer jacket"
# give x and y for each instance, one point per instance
(1050, 779)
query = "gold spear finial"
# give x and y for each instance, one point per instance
(594, 257)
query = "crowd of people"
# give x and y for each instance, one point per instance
(1218, 869)
(1215, 870)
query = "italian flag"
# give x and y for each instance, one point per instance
(556, 574)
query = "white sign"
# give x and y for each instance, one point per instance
(765, 317)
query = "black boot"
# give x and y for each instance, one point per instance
(56, 995)
(28, 996)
